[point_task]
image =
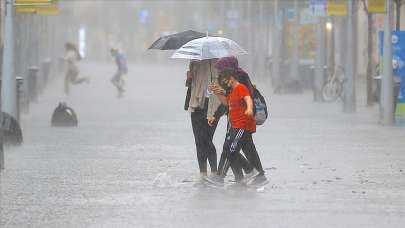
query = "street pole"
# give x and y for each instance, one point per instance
(320, 61)
(349, 98)
(261, 41)
(387, 93)
(276, 48)
(224, 16)
(331, 45)
(295, 57)
(267, 29)
(8, 85)
(252, 29)
(398, 4)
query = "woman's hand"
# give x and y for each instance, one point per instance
(216, 89)
(211, 121)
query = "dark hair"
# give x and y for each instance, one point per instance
(227, 73)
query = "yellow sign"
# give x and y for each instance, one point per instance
(51, 10)
(33, 2)
(376, 6)
(42, 7)
(337, 7)
(25, 9)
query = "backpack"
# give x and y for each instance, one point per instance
(261, 113)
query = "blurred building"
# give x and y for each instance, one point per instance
(132, 26)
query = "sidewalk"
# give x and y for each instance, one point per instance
(132, 163)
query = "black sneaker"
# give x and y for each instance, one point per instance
(259, 181)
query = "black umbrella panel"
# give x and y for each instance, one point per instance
(176, 40)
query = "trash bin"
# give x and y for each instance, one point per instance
(64, 116)
(396, 88)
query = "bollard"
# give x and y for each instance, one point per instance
(19, 91)
(46, 67)
(24, 102)
(32, 84)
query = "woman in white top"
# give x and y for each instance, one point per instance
(72, 56)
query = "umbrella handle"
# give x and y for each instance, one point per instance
(210, 70)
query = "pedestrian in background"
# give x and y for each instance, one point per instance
(122, 69)
(72, 56)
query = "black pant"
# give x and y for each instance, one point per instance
(203, 135)
(236, 140)
(223, 165)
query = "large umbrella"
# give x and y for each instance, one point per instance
(208, 48)
(175, 41)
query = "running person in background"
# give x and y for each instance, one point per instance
(118, 79)
(72, 56)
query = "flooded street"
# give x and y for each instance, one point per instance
(131, 162)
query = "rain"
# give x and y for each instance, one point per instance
(112, 116)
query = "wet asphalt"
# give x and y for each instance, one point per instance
(131, 162)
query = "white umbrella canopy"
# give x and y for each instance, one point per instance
(208, 48)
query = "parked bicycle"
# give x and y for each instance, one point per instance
(333, 88)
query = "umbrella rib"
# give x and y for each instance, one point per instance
(187, 53)
(209, 48)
